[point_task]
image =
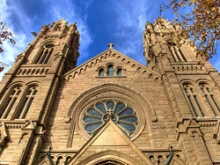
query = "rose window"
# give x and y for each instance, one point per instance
(120, 113)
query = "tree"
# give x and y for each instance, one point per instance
(200, 19)
(5, 35)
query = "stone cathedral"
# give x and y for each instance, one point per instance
(110, 110)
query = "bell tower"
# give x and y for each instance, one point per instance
(185, 75)
(29, 87)
(163, 45)
(54, 42)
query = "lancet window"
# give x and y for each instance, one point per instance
(44, 54)
(110, 70)
(27, 102)
(213, 103)
(10, 101)
(176, 52)
(193, 100)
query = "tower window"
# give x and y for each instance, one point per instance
(45, 54)
(9, 103)
(110, 71)
(176, 52)
(193, 100)
(101, 72)
(210, 98)
(58, 27)
(163, 26)
(27, 102)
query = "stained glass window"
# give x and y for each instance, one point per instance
(101, 112)
(110, 71)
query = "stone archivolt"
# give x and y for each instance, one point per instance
(109, 91)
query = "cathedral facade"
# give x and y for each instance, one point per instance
(110, 110)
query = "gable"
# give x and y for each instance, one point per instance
(107, 143)
(110, 137)
(176, 161)
(108, 56)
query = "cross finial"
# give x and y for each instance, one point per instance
(110, 45)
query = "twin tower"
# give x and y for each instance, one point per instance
(110, 110)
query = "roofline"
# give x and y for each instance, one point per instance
(109, 49)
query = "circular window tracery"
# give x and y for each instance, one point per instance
(101, 112)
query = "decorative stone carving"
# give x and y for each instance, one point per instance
(3, 135)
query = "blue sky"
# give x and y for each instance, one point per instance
(99, 23)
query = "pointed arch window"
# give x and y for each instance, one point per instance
(193, 100)
(110, 70)
(213, 103)
(27, 102)
(176, 52)
(44, 55)
(10, 101)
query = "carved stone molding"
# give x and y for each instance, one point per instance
(35, 71)
(122, 59)
(189, 69)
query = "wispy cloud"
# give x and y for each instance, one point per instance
(131, 19)
(67, 10)
(11, 51)
(21, 24)
(121, 22)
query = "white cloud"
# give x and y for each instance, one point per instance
(71, 14)
(61, 9)
(131, 19)
(11, 51)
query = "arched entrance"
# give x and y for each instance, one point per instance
(110, 162)
(109, 158)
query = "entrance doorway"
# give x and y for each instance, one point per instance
(110, 162)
